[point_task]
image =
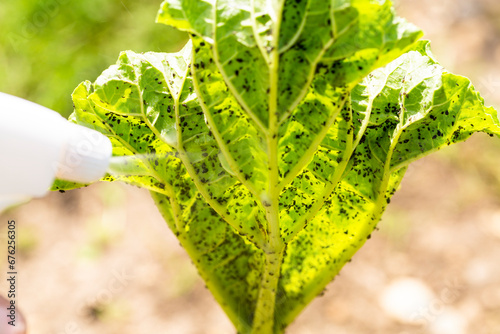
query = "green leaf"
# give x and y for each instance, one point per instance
(258, 48)
(137, 103)
(316, 255)
(423, 108)
(272, 81)
(274, 140)
(370, 35)
(240, 140)
(63, 185)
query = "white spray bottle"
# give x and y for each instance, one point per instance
(37, 145)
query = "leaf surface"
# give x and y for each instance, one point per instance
(157, 138)
(274, 140)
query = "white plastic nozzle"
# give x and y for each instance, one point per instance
(37, 145)
(85, 157)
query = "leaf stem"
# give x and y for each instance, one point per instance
(264, 315)
(263, 322)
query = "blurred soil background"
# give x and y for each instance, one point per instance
(101, 259)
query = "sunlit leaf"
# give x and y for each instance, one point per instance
(274, 140)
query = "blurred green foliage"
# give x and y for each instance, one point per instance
(47, 47)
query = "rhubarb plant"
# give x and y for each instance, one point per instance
(273, 141)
